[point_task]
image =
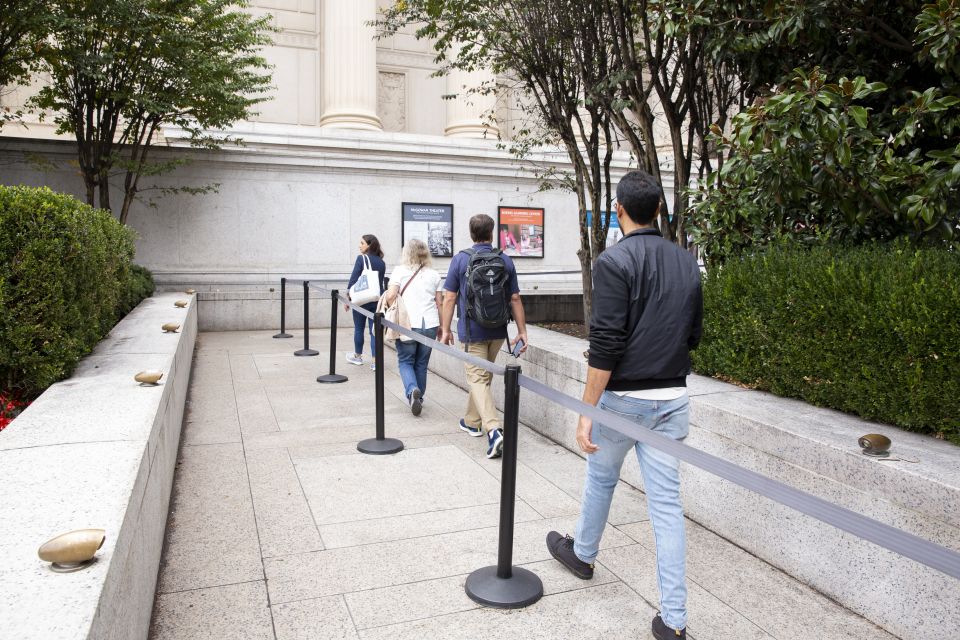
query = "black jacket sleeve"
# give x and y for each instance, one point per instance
(696, 329)
(608, 322)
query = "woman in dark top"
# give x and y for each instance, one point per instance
(369, 247)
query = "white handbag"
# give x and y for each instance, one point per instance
(367, 287)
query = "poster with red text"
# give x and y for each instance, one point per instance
(521, 232)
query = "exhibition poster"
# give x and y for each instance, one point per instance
(521, 232)
(432, 223)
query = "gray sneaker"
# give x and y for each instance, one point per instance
(354, 358)
(416, 402)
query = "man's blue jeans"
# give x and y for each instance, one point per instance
(661, 480)
(413, 358)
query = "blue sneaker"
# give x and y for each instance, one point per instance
(495, 443)
(476, 432)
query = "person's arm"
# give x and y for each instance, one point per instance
(608, 334)
(696, 331)
(357, 269)
(446, 316)
(520, 317)
(392, 293)
(597, 380)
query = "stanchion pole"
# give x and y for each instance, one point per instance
(333, 376)
(379, 445)
(505, 586)
(283, 310)
(306, 351)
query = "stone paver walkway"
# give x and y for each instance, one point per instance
(279, 528)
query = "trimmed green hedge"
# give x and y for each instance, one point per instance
(873, 330)
(65, 277)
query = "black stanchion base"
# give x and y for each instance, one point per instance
(283, 335)
(306, 352)
(522, 589)
(380, 447)
(331, 378)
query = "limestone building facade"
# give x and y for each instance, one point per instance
(353, 128)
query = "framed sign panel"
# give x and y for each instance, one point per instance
(521, 231)
(613, 231)
(432, 223)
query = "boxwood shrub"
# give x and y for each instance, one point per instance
(65, 277)
(871, 330)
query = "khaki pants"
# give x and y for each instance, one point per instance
(480, 408)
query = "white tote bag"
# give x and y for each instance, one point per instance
(367, 288)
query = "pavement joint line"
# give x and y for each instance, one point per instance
(346, 605)
(313, 517)
(253, 504)
(211, 586)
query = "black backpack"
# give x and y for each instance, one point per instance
(488, 289)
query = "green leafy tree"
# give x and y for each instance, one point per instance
(871, 155)
(23, 26)
(557, 55)
(122, 69)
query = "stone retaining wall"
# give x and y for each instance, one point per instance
(96, 451)
(812, 449)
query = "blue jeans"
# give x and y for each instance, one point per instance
(661, 480)
(359, 320)
(413, 358)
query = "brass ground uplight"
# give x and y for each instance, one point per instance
(148, 378)
(170, 327)
(180, 304)
(73, 550)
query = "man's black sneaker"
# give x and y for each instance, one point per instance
(561, 548)
(662, 632)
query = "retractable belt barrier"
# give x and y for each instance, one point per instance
(901, 542)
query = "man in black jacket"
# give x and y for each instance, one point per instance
(647, 316)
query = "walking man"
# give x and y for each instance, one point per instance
(482, 283)
(647, 316)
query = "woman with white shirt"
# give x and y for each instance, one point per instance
(421, 288)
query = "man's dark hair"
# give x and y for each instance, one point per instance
(481, 228)
(639, 194)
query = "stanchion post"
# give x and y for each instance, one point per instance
(306, 351)
(379, 445)
(333, 376)
(505, 586)
(283, 310)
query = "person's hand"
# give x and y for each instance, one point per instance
(520, 336)
(584, 429)
(446, 337)
(346, 307)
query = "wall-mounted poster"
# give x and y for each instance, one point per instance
(613, 231)
(432, 223)
(521, 231)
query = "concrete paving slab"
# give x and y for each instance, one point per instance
(708, 616)
(236, 611)
(350, 488)
(611, 612)
(318, 619)
(398, 535)
(789, 610)
(418, 525)
(211, 531)
(254, 410)
(284, 521)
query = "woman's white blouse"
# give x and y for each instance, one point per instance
(419, 297)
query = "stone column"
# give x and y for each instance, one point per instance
(468, 114)
(349, 65)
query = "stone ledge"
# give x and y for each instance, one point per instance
(96, 450)
(807, 447)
